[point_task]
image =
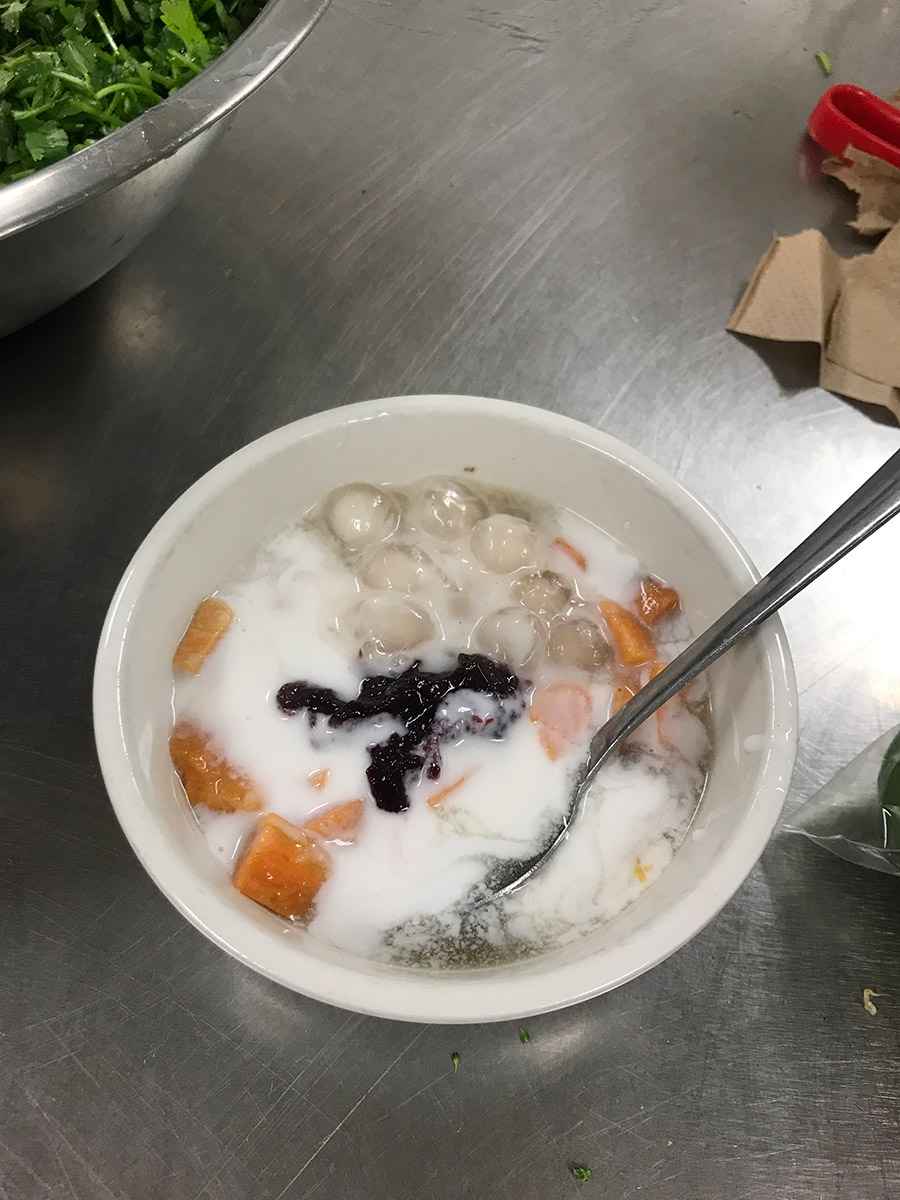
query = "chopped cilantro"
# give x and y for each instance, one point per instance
(524, 1035)
(47, 142)
(72, 71)
(178, 16)
(824, 62)
(582, 1174)
(454, 1058)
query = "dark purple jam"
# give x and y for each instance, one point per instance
(415, 698)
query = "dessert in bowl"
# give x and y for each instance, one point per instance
(394, 627)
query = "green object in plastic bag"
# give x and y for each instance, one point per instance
(889, 794)
(857, 814)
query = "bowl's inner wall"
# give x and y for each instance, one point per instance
(662, 531)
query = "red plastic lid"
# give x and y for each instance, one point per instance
(850, 116)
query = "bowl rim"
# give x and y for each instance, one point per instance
(421, 996)
(248, 62)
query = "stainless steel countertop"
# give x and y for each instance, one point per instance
(556, 201)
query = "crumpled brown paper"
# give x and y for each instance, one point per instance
(802, 291)
(876, 183)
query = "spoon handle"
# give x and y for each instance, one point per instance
(867, 510)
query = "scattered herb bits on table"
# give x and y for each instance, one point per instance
(70, 73)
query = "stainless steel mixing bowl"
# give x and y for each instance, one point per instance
(64, 227)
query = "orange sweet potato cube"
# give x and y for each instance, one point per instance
(282, 868)
(338, 824)
(554, 744)
(655, 599)
(632, 638)
(207, 776)
(202, 636)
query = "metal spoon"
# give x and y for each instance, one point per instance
(867, 510)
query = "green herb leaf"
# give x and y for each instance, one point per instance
(178, 16)
(47, 143)
(454, 1058)
(11, 14)
(824, 62)
(8, 133)
(582, 1174)
(524, 1035)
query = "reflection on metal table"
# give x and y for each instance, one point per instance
(557, 203)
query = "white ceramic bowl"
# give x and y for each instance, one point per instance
(203, 536)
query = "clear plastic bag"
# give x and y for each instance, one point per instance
(857, 814)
